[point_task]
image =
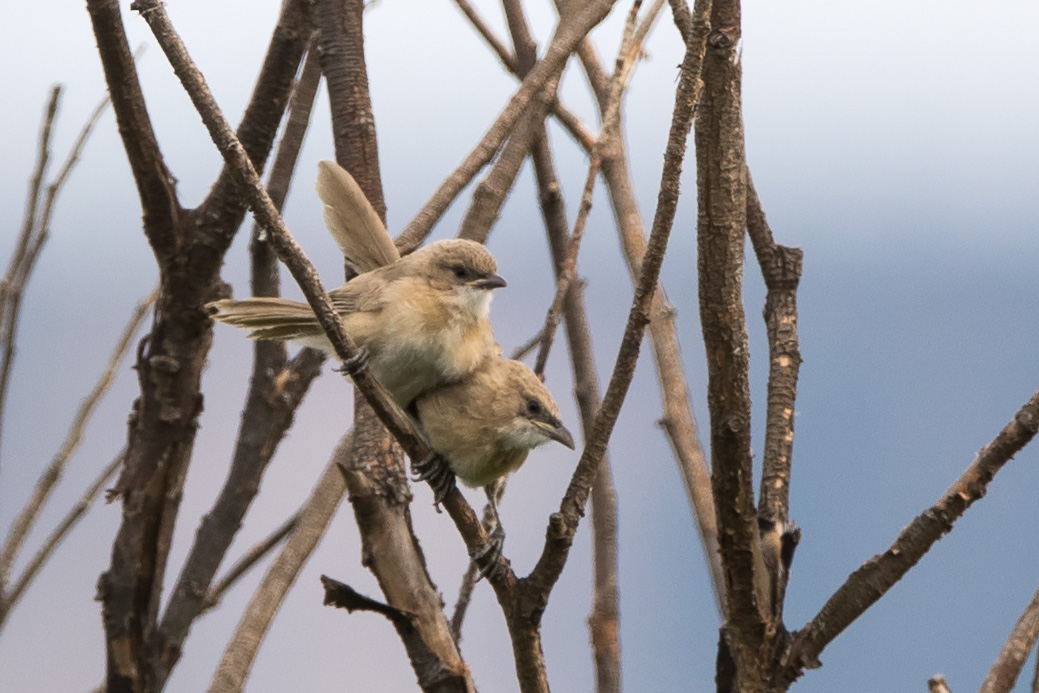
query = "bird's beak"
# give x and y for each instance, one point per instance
(491, 281)
(557, 432)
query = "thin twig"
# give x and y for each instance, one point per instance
(503, 53)
(626, 58)
(50, 476)
(568, 34)
(566, 117)
(51, 543)
(471, 576)
(604, 620)
(528, 346)
(248, 561)
(18, 269)
(877, 575)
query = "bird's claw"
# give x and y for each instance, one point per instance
(488, 558)
(436, 471)
(356, 364)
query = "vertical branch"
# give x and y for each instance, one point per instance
(781, 268)
(563, 524)
(275, 392)
(189, 248)
(721, 180)
(341, 50)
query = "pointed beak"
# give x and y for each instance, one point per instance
(559, 434)
(491, 281)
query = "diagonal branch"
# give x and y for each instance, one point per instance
(678, 422)
(1005, 670)
(877, 575)
(155, 184)
(568, 34)
(18, 271)
(563, 524)
(52, 474)
(51, 543)
(314, 517)
(248, 561)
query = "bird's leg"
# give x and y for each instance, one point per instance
(488, 557)
(436, 471)
(358, 363)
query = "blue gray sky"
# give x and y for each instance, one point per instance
(894, 142)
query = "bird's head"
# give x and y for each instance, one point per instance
(463, 268)
(535, 416)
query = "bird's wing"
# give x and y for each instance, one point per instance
(353, 222)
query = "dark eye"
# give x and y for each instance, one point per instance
(459, 272)
(533, 407)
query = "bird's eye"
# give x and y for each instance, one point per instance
(459, 272)
(533, 407)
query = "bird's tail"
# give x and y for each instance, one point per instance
(352, 221)
(268, 318)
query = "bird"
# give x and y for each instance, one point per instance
(482, 428)
(422, 320)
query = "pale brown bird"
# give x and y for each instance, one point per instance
(422, 319)
(482, 427)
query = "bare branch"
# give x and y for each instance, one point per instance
(276, 390)
(507, 58)
(52, 474)
(1005, 670)
(155, 184)
(563, 524)
(189, 247)
(18, 270)
(937, 684)
(247, 562)
(314, 517)
(678, 422)
(570, 122)
(51, 543)
(877, 575)
(626, 57)
(781, 268)
(569, 32)
(604, 621)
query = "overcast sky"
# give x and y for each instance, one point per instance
(895, 142)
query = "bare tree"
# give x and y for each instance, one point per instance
(748, 540)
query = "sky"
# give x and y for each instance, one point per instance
(895, 142)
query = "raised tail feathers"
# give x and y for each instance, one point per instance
(352, 221)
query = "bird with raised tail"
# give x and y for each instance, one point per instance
(423, 319)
